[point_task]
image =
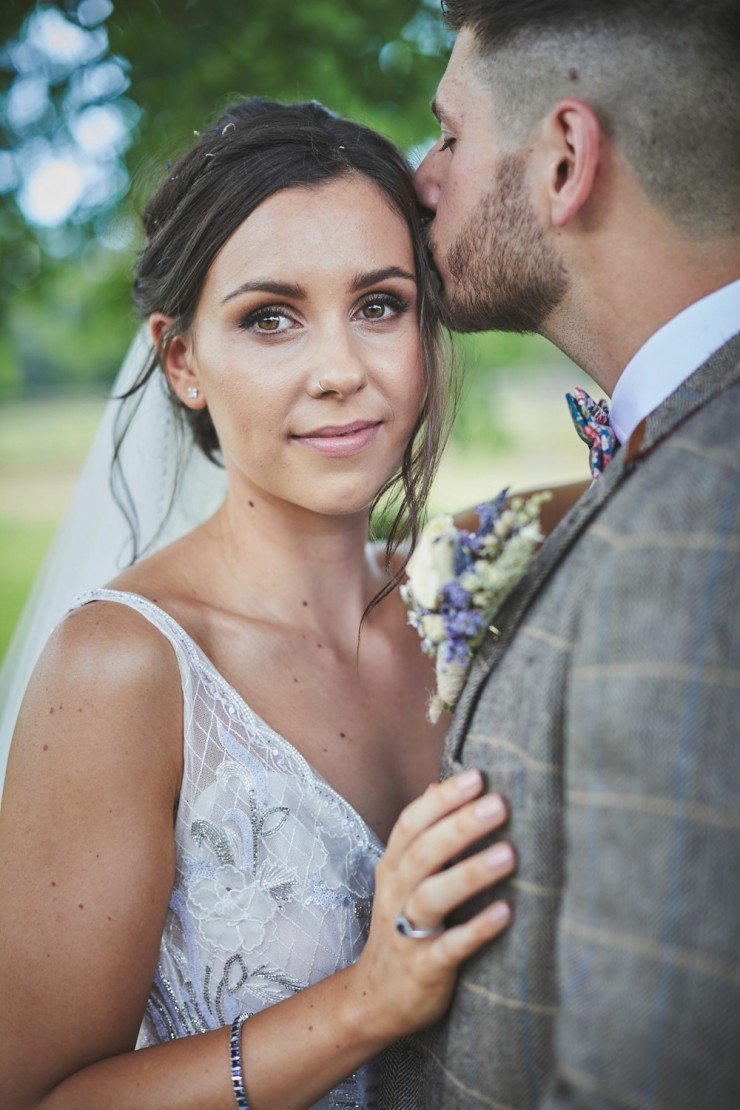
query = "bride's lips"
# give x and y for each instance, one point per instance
(340, 440)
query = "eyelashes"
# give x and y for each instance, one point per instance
(267, 315)
(277, 319)
(385, 300)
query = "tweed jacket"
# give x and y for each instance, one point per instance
(608, 712)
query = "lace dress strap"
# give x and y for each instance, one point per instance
(181, 643)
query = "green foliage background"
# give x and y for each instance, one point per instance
(64, 291)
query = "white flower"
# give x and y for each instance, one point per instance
(231, 909)
(433, 627)
(502, 527)
(493, 576)
(431, 566)
(531, 532)
(471, 580)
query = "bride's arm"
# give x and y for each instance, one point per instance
(564, 497)
(87, 868)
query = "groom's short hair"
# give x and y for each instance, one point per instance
(662, 76)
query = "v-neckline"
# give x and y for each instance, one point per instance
(235, 696)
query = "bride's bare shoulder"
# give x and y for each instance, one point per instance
(104, 672)
(110, 640)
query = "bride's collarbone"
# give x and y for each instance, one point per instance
(356, 716)
(360, 728)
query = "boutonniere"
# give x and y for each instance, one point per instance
(458, 580)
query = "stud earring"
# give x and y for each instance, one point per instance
(193, 393)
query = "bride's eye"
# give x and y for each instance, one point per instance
(379, 307)
(373, 311)
(267, 321)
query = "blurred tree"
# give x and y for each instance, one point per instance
(96, 95)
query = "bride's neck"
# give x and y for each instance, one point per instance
(292, 564)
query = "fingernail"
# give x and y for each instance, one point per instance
(467, 781)
(490, 808)
(500, 855)
(499, 913)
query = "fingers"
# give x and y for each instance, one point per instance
(436, 845)
(436, 802)
(439, 894)
(449, 950)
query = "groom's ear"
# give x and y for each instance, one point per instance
(571, 139)
(175, 355)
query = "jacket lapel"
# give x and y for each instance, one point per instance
(720, 371)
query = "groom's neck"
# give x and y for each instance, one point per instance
(630, 276)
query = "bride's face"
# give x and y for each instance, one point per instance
(306, 347)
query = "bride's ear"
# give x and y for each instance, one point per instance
(177, 361)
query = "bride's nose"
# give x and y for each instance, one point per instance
(338, 368)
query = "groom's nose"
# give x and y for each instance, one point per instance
(426, 182)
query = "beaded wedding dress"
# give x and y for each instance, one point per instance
(274, 870)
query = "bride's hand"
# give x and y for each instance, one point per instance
(408, 982)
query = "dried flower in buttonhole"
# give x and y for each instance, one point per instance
(458, 581)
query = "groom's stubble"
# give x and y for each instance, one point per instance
(503, 274)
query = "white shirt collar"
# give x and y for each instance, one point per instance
(671, 355)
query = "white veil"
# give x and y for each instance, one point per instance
(94, 542)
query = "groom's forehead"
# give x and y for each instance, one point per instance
(463, 89)
(458, 102)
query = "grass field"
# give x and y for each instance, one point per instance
(43, 443)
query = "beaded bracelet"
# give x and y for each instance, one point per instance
(235, 1053)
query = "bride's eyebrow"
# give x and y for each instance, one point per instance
(361, 281)
(277, 288)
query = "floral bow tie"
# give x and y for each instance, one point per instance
(591, 420)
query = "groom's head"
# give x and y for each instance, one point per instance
(551, 112)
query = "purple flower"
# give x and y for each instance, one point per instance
(455, 651)
(489, 513)
(463, 555)
(466, 622)
(454, 598)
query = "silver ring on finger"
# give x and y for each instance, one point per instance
(407, 929)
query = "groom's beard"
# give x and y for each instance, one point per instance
(504, 275)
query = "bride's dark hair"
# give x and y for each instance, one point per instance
(257, 148)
